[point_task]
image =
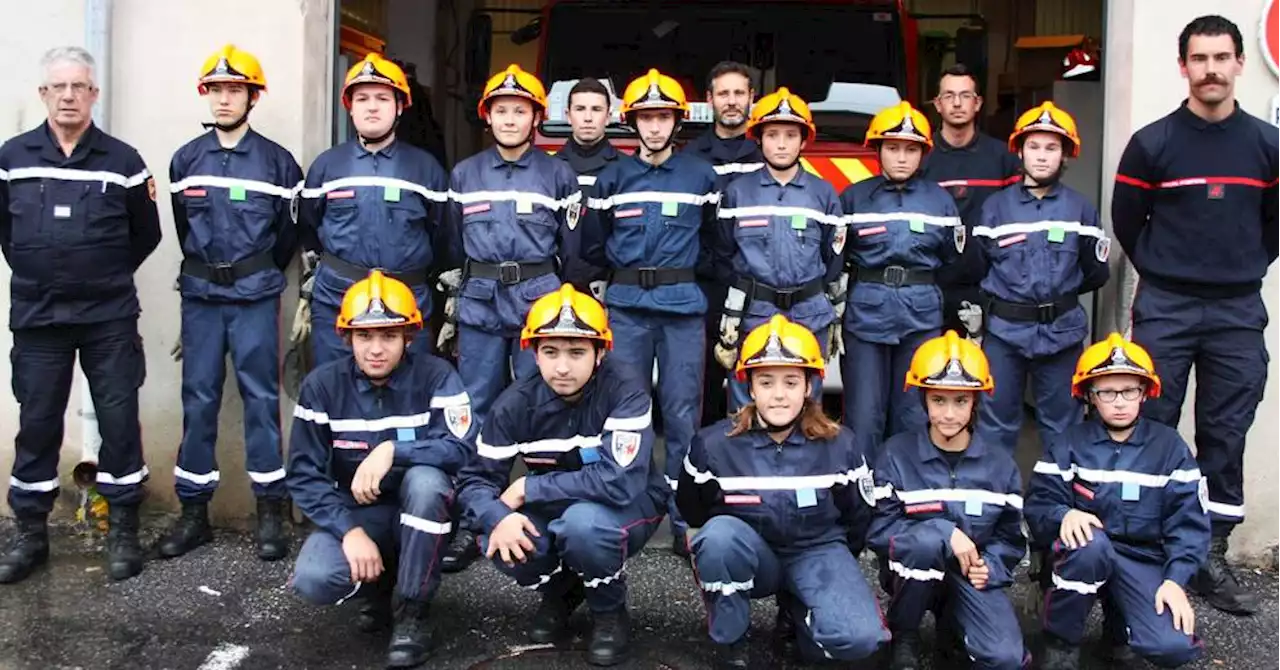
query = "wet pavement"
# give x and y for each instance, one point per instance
(220, 608)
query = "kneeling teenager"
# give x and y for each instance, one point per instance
(782, 497)
(377, 439)
(948, 523)
(591, 497)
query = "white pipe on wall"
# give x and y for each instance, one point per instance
(97, 40)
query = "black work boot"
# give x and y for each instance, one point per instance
(375, 612)
(680, 545)
(29, 549)
(784, 628)
(462, 552)
(124, 554)
(1115, 638)
(610, 632)
(1217, 584)
(735, 656)
(1059, 654)
(411, 639)
(188, 532)
(550, 623)
(906, 650)
(272, 544)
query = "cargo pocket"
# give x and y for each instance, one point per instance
(140, 361)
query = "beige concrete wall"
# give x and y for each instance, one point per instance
(157, 49)
(1143, 83)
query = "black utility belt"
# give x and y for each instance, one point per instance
(355, 273)
(226, 274)
(648, 278)
(1043, 313)
(896, 275)
(782, 298)
(510, 272)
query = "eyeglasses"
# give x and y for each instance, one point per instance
(963, 96)
(79, 88)
(1110, 395)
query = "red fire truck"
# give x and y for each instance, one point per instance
(849, 58)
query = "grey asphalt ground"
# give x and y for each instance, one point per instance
(219, 608)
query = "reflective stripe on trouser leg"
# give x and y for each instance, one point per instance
(1133, 587)
(680, 349)
(254, 336)
(1000, 415)
(425, 495)
(595, 541)
(992, 636)
(1231, 376)
(204, 352)
(322, 575)
(1077, 575)
(43, 362)
(842, 619)
(913, 578)
(112, 358)
(539, 570)
(732, 564)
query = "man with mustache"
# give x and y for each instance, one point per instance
(730, 93)
(372, 202)
(1194, 208)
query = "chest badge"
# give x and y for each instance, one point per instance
(625, 447)
(1102, 250)
(1217, 191)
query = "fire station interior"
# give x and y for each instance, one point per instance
(851, 58)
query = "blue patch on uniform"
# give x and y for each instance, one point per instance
(406, 434)
(589, 455)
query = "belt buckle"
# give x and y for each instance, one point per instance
(648, 278)
(509, 273)
(222, 274)
(1047, 312)
(784, 299)
(895, 275)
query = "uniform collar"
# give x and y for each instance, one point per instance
(1189, 117)
(760, 438)
(801, 180)
(47, 143)
(883, 184)
(940, 144)
(394, 382)
(732, 149)
(667, 165)
(358, 150)
(1099, 435)
(496, 160)
(927, 450)
(1025, 195)
(244, 146)
(602, 149)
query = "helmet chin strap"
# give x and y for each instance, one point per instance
(228, 127)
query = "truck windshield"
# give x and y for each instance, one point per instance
(846, 59)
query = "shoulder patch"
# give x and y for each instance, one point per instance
(1202, 492)
(572, 213)
(867, 488)
(458, 419)
(838, 239)
(1102, 250)
(625, 447)
(961, 237)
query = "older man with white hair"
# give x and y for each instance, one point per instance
(77, 218)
